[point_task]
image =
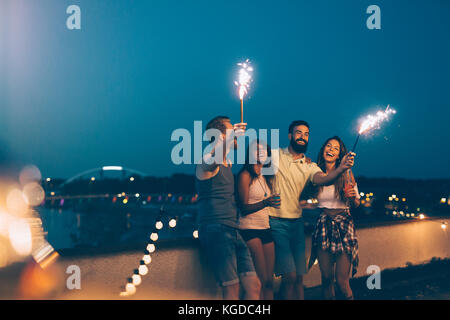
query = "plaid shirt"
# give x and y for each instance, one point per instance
(335, 234)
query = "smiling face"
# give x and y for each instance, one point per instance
(260, 153)
(331, 151)
(299, 138)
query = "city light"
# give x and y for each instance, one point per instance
(444, 225)
(20, 237)
(443, 200)
(131, 179)
(195, 234)
(421, 216)
(112, 168)
(159, 225)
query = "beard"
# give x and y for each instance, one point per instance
(298, 147)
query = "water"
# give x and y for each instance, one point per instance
(104, 227)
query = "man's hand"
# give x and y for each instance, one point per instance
(239, 129)
(231, 135)
(347, 161)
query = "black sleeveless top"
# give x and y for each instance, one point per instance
(216, 200)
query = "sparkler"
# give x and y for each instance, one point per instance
(373, 122)
(243, 82)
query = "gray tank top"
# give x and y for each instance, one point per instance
(216, 202)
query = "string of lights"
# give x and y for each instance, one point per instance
(136, 278)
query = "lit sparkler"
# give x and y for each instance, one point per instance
(243, 82)
(373, 122)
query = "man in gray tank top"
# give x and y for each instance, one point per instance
(217, 217)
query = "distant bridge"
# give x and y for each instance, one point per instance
(100, 171)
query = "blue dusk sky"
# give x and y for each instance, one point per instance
(113, 92)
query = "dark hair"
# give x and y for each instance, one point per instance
(250, 168)
(297, 123)
(218, 123)
(339, 183)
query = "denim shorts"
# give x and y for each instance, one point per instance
(289, 238)
(226, 252)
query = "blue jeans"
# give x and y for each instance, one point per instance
(289, 238)
(226, 252)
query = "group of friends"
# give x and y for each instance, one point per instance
(253, 228)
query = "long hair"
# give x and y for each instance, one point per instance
(250, 167)
(339, 183)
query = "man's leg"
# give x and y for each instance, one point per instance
(287, 286)
(246, 270)
(231, 292)
(218, 244)
(297, 236)
(299, 288)
(284, 260)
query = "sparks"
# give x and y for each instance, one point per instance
(244, 78)
(374, 121)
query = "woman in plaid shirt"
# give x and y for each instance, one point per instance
(334, 240)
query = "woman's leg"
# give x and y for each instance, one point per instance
(256, 249)
(343, 267)
(269, 254)
(326, 269)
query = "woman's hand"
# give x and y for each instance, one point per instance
(347, 161)
(350, 191)
(273, 201)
